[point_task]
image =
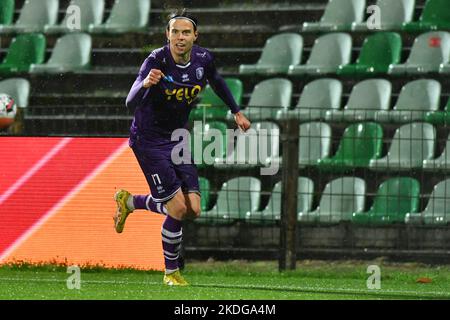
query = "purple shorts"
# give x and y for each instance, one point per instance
(164, 177)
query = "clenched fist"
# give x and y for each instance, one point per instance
(153, 78)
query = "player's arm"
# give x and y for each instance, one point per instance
(219, 86)
(149, 75)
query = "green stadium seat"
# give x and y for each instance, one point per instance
(267, 99)
(328, 53)
(126, 16)
(338, 16)
(428, 52)
(6, 12)
(272, 212)
(442, 163)
(370, 61)
(393, 15)
(394, 199)
(205, 190)
(205, 153)
(34, 15)
(435, 16)
(412, 143)
(247, 150)
(439, 117)
(279, 52)
(437, 211)
(236, 197)
(317, 97)
(415, 99)
(72, 52)
(211, 107)
(340, 199)
(366, 98)
(18, 88)
(360, 143)
(24, 50)
(444, 68)
(91, 14)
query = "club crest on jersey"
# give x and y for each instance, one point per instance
(199, 73)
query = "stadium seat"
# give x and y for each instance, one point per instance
(393, 15)
(366, 98)
(317, 97)
(236, 197)
(18, 88)
(207, 134)
(24, 50)
(394, 199)
(412, 143)
(211, 107)
(272, 212)
(442, 163)
(370, 60)
(279, 52)
(126, 16)
(360, 143)
(34, 15)
(428, 52)
(314, 143)
(72, 52)
(268, 97)
(6, 12)
(415, 99)
(437, 210)
(205, 191)
(91, 14)
(328, 53)
(338, 16)
(340, 199)
(439, 117)
(247, 150)
(435, 16)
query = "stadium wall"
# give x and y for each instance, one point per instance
(56, 204)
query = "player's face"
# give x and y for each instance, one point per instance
(181, 36)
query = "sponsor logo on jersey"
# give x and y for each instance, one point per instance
(183, 94)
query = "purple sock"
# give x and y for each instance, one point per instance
(172, 236)
(146, 202)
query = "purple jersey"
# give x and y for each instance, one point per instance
(162, 108)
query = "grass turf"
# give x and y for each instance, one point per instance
(230, 281)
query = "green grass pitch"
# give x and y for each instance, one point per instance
(230, 281)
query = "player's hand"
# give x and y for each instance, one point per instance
(153, 78)
(241, 121)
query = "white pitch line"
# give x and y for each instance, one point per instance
(323, 290)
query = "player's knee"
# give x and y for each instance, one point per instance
(179, 210)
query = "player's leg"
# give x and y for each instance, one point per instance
(188, 175)
(172, 237)
(185, 204)
(192, 200)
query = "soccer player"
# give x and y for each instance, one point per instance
(162, 97)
